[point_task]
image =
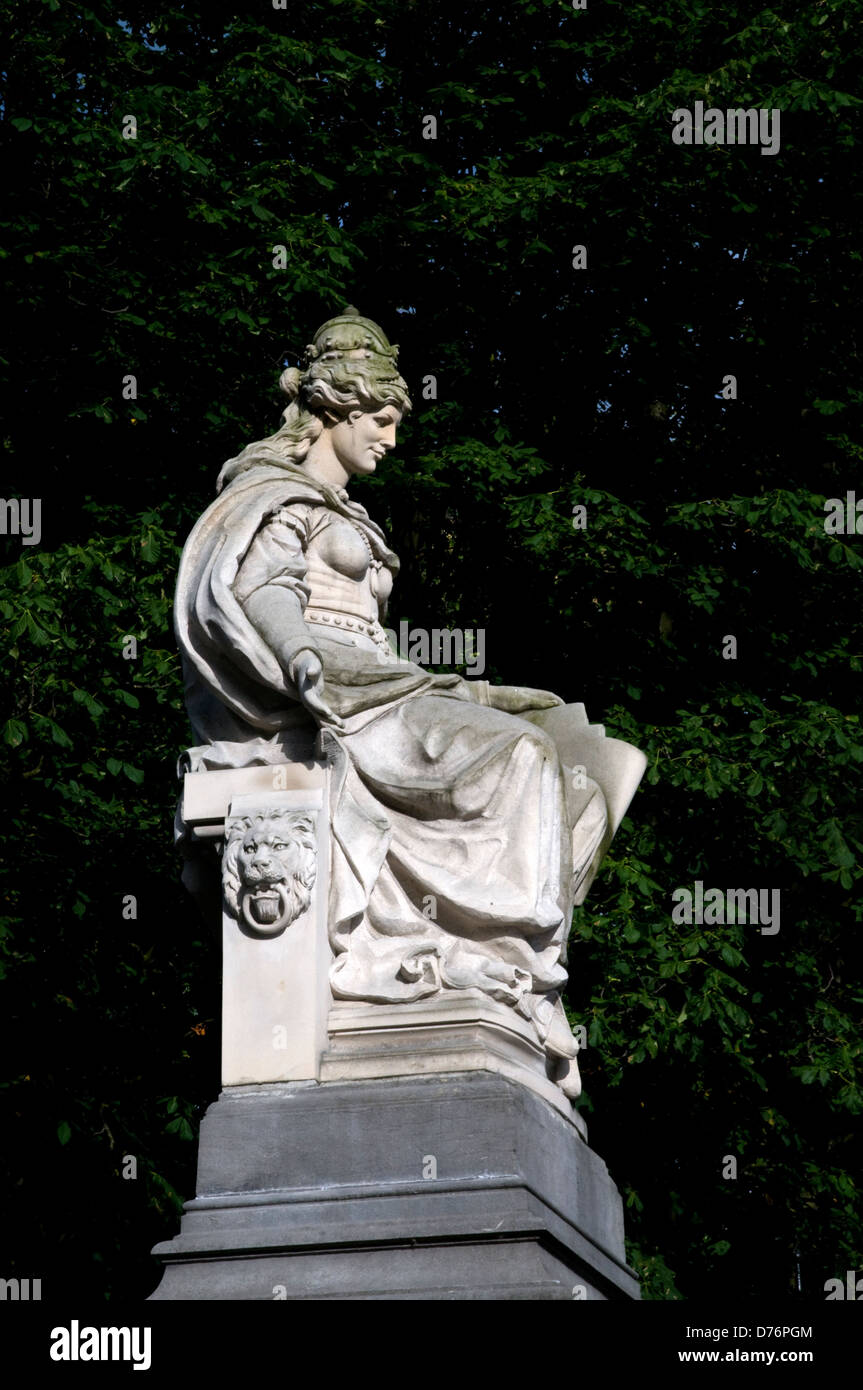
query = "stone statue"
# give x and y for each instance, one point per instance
(466, 818)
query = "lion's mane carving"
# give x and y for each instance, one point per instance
(269, 867)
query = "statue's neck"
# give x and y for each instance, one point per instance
(322, 464)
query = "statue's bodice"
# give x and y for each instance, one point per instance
(344, 578)
(330, 564)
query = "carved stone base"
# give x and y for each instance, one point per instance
(459, 1031)
(466, 1186)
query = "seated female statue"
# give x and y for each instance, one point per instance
(460, 836)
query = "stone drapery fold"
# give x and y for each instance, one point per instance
(453, 823)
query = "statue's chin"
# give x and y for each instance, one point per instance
(266, 910)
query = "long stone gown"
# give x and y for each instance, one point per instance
(460, 838)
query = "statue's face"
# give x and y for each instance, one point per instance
(363, 437)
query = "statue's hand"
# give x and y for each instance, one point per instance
(307, 673)
(516, 699)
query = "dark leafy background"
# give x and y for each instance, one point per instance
(303, 127)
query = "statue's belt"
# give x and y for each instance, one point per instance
(346, 623)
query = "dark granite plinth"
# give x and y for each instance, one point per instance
(461, 1186)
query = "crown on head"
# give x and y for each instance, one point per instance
(350, 336)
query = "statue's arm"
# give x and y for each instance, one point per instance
(271, 586)
(272, 590)
(276, 613)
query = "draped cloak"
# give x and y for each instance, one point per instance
(452, 822)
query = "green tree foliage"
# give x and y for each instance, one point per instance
(154, 257)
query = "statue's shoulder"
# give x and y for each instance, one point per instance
(303, 516)
(264, 492)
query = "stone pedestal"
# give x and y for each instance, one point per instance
(459, 1031)
(465, 1185)
(368, 1151)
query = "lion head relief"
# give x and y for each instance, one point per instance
(268, 868)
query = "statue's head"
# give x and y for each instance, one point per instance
(350, 364)
(348, 383)
(268, 869)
